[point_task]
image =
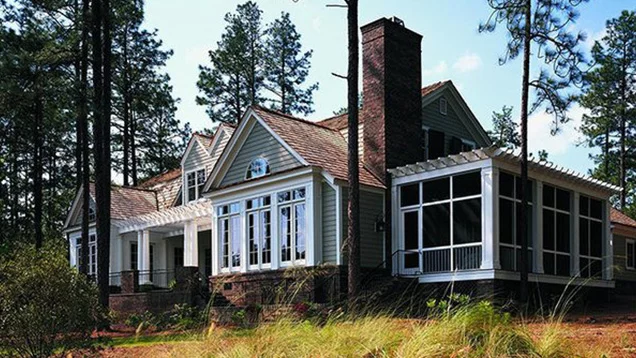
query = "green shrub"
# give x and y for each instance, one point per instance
(46, 306)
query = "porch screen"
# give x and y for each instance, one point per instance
(510, 221)
(590, 236)
(556, 231)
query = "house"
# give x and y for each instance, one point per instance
(254, 203)
(624, 236)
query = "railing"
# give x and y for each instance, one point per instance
(437, 259)
(156, 278)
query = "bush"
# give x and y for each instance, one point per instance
(46, 306)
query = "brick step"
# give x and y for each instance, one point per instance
(218, 300)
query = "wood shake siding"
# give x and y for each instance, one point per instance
(259, 143)
(345, 133)
(371, 242)
(329, 229)
(450, 123)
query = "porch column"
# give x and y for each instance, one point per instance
(608, 247)
(575, 265)
(191, 244)
(537, 237)
(489, 219)
(143, 255)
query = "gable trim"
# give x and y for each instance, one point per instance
(472, 124)
(236, 142)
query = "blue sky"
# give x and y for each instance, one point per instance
(451, 49)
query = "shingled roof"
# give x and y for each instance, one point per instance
(126, 202)
(320, 146)
(619, 217)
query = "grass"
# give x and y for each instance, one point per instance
(471, 330)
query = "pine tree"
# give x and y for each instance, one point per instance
(504, 133)
(543, 23)
(610, 94)
(236, 76)
(287, 67)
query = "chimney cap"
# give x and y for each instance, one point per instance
(397, 20)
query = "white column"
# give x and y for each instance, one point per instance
(339, 224)
(395, 228)
(575, 269)
(313, 225)
(143, 255)
(537, 237)
(191, 244)
(214, 236)
(608, 248)
(489, 239)
(275, 238)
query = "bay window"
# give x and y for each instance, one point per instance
(509, 221)
(556, 231)
(590, 237)
(230, 233)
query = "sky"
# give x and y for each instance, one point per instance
(452, 49)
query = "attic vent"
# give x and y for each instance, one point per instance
(397, 20)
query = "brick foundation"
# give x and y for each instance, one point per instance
(125, 304)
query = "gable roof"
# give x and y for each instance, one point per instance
(320, 146)
(619, 217)
(161, 178)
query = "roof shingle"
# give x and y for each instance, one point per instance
(619, 217)
(126, 202)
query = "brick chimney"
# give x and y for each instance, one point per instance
(391, 83)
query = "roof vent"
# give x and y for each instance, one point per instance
(397, 20)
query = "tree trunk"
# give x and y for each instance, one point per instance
(353, 210)
(126, 98)
(623, 139)
(523, 269)
(133, 147)
(606, 158)
(37, 167)
(83, 119)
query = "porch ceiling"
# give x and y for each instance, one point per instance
(168, 219)
(503, 154)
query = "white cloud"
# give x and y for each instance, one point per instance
(197, 55)
(437, 70)
(468, 62)
(539, 136)
(593, 37)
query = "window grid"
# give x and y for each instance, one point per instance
(292, 221)
(630, 254)
(555, 255)
(589, 263)
(259, 230)
(195, 181)
(515, 246)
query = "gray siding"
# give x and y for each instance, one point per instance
(450, 123)
(198, 158)
(259, 143)
(371, 242)
(329, 229)
(620, 258)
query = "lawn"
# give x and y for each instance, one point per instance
(474, 331)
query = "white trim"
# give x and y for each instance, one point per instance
(608, 253)
(627, 243)
(339, 226)
(489, 179)
(470, 275)
(189, 148)
(442, 172)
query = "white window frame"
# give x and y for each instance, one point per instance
(443, 106)
(419, 208)
(197, 185)
(228, 217)
(589, 232)
(555, 211)
(292, 204)
(92, 253)
(515, 244)
(633, 253)
(469, 143)
(257, 213)
(249, 169)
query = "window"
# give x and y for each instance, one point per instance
(436, 144)
(556, 231)
(509, 221)
(449, 210)
(257, 168)
(468, 145)
(92, 253)
(195, 181)
(630, 254)
(91, 213)
(590, 237)
(178, 257)
(292, 225)
(443, 106)
(229, 224)
(259, 234)
(134, 258)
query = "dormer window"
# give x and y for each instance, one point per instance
(443, 106)
(257, 168)
(195, 180)
(91, 214)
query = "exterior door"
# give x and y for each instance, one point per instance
(409, 256)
